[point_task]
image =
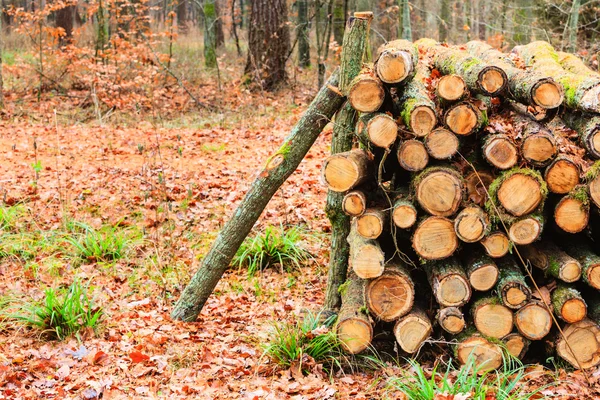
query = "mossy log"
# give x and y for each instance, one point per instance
(397, 61)
(516, 345)
(412, 155)
(354, 203)
(473, 347)
(589, 260)
(518, 191)
(581, 92)
(366, 257)
(371, 223)
(511, 286)
(525, 86)
(580, 345)
(435, 238)
(587, 127)
(441, 144)
(276, 171)
(391, 295)
(448, 281)
(533, 320)
(527, 229)
(535, 113)
(572, 63)
(412, 330)
(366, 93)
(465, 118)
(479, 76)
(439, 190)
(481, 269)
(404, 213)
(377, 129)
(500, 151)
(572, 213)
(496, 244)
(471, 224)
(562, 175)
(354, 328)
(568, 304)
(451, 88)
(548, 257)
(346, 170)
(592, 178)
(491, 317)
(451, 320)
(416, 108)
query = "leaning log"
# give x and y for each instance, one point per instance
(277, 169)
(366, 257)
(548, 257)
(354, 328)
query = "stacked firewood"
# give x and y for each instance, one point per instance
(469, 167)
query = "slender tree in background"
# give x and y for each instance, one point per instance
(406, 28)
(339, 20)
(210, 38)
(573, 24)
(182, 16)
(235, 21)
(522, 20)
(219, 33)
(302, 32)
(268, 43)
(65, 19)
(102, 34)
(1, 80)
(444, 20)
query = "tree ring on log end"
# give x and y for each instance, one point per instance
(461, 119)
(571, 215)
(422, 120)
(441, 144)
(547, 94)
(583, 339)
(501, 152)
(404, 216)
(595, 190)
(525, 231)
(394, 66)
(390, 296)
(492, 80)
(533, 321)
(451, 87)
(562, 176)
(355, 335)
(493, 320)
(520, 194)
(440, 193)
(496, 244)
(382, 130)
(411, 331)
(571, 271)
(574, 310)
(453, 291)
(484, 278)
(486, 355)
(412, 155)
(435, 238)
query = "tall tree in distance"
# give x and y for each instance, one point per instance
(182, 16)
(268, 43)
(65, 19)
(444, 20)
(573, 24)
(406, 28)
(209, 12)
(339, 20)
(302, 32)
(1, 80)
(219, 34)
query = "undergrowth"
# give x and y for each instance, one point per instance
(275, 246)
(105, 244)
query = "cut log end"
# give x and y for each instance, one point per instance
(461, 119)
(595, 190)
(441, 144)
(525, 231)
(370, 224)
(516, 296)
(562, 176)
(496, 244)
(451, 319)
(485, 354)
(451, 87)
(366, 94)
(533, 321)
(573, 310)
(391, 295)
(471, 224)
(547, 94)
(539, 149)
(581, 345)
(422, 120)
(520, 194)
(484, 278)
(412, 330)
(343, 171)
(516, 345)
(412, 155)
(382, 130)
(369, 263)
(570, 272)
(593, 275)
(355, 335)
(354, 203)
(500, 152)
(493, 320)
(453, 291)
(435, 238)
(492, 81)
(571, 215)
(404, 215)
(394, 66)
(439, 192)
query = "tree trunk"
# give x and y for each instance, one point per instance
(354, 328)
(444, 21)
(268, 43)
(182, 16)
(415, 106)
(548, 257)
(574, 25)
(65, 19)
(406, 26)
(210, 39)
(279, 167)
(1, 79)
(572, 213)
(219, 34)
(302, 34)
(391, 295)
(339, 20)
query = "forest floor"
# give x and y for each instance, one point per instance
(166, 184)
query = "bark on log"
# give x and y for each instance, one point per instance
(527, 229)
(434, 238)
(481, 269)
(496, 244)
(366, 93)
(471, 224)
(404, 213)
(439, 190)
(516, 345)
(366, 257)
(371, 223)
(473, 347)
(277, 170)
(581, 92)
(533, 320)
(562, 175)
(511, 286)
(568, 304)
(397, 61)
(391, 295)
(412, 330)
(354, 328)
(572, 63)
(587, 127)
(346, 170)
(492, 318)
(451, 319)
(441, 144)
(354, 204)
(448, 282)
(412, 155)
(479, 76)
(378, 129)
(518, 192)
(499, 151)
(548, 257)
(451, 88)
(526, 86)
(572, 213)
(416, 109)
(590, 262)
(592, 178)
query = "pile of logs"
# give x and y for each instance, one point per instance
(474, 195)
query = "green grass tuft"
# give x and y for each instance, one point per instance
(276, 246)
(60, 314)
(105, 244)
